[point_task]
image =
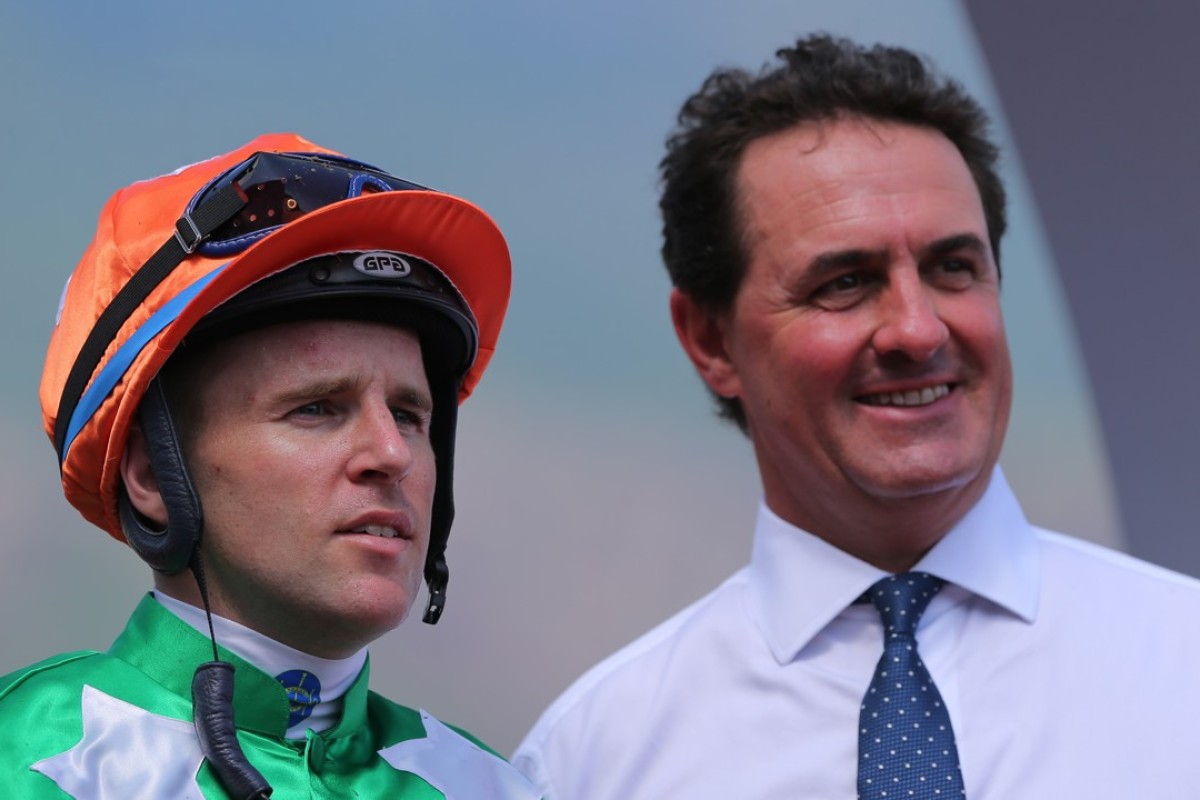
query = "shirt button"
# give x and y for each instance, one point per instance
(314, 752)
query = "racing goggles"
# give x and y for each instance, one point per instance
(279, 188)
(230, 213)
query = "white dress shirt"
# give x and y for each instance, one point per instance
(1070, 672)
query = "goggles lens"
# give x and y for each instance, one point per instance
(282, 187)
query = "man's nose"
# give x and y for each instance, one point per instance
(381, 451)
(909, 320)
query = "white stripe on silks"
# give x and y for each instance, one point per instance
(457, 767)
(127, 753)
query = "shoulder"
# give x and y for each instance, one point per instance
(401, 722)
(447, 758)
(53, 692)
(663, 661)
(40, 715)
(1081, 563)
(1088, 592)
(48, 672)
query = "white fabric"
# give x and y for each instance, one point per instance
(167, 754)
(456, 766)
(1069, 671)
(274, 658)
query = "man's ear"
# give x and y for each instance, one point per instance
(705, 339)
(140, 483)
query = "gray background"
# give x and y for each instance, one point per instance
(597, 494)
(1107, 117)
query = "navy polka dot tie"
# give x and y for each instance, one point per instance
(905, 744)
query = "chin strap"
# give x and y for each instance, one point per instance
(437, 575)
(212, 713)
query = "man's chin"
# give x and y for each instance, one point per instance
(915, 482)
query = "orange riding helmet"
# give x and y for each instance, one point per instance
(277, 227)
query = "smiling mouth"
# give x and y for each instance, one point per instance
(910, 398)
(382, 531)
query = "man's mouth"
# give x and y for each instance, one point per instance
(383, 531)
(909, 398)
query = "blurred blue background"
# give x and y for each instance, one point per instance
(597, 493)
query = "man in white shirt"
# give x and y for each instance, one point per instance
(832, 229)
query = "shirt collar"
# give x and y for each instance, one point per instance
(270, 656)
(799, 583)
(168, 650)
(334, 676)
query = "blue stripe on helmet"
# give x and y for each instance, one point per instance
(116, 367)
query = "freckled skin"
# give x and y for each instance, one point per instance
(848, 295)
(302, 429)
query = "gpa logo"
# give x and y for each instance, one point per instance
(380, 264)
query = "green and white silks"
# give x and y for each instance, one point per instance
(118, 726)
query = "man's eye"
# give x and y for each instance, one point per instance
(842, 292)
(955, 272)
(410, 419)
(313, 409)
(845, 283)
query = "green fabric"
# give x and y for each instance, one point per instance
(150, 666)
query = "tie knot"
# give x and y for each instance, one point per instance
(902, 599)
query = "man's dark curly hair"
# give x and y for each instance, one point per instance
(820, 78)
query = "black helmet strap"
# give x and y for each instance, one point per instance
(168, 550)
(191, 229)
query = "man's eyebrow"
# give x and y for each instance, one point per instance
(406, 395)
(317, 388)
(954, 244)
(843, 259)
(413, 396)
(838, 260)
